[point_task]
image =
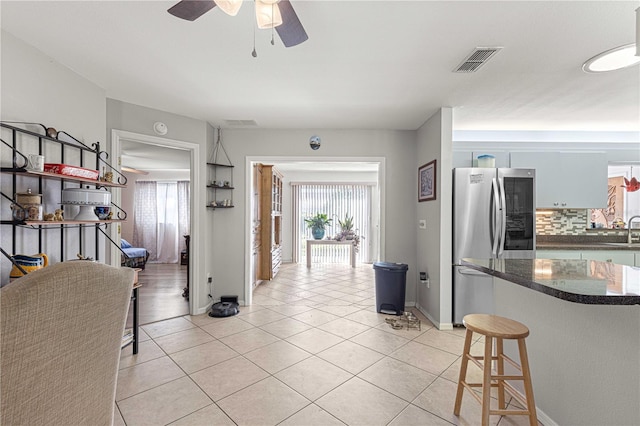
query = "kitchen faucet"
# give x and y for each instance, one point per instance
(629, 226)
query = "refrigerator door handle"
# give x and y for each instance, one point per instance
(494, 229)
(503, 217)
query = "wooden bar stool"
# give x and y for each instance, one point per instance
(499, 328)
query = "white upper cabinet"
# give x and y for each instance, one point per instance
(566, 180)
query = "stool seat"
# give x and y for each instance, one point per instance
(495, 326)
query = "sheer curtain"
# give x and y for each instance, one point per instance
(161, 219)
(145, 214)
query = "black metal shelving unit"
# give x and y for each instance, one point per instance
(85, 154)
(65, 143)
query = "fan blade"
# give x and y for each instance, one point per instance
(191, 9)
(291, 31)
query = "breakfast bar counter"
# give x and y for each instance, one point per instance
(573, 280)
(584, 342)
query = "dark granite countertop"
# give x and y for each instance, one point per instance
(587, 246)
(591, 241)
(580, 281)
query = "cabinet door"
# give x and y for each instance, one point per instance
(584, 179)
(617, 257)
(558, 254)
(548, 175)
(576, 180)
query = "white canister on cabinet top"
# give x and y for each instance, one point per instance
(486, 161)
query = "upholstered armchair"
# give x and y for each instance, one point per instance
(61, 335)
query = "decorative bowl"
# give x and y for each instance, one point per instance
(102, 212)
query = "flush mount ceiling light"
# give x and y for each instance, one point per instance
(613, 59)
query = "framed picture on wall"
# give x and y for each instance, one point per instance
(427, 181)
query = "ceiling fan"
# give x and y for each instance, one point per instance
(278, 14)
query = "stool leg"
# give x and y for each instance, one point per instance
(500, 366)
(486, 380)
(528, 388)
(463, 371)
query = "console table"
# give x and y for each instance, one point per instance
(352, 249)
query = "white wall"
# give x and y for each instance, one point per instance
(35, 88)
(230, 230)
(434, 243)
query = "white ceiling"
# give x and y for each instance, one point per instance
(367, 64)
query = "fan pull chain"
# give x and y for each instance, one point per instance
(254, 53)
(272, 28)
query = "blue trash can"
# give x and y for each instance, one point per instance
(391, 283)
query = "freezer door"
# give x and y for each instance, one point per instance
(473, 213)
(472, 293)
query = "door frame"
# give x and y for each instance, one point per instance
(250, 160)
(196, 219)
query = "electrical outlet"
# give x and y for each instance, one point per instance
(209, 278)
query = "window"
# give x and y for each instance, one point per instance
(621, 203)
(337, 201)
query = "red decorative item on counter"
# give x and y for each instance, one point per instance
(67, 170)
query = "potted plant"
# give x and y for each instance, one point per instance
(317, 224)
(346, 231)
(347, 223)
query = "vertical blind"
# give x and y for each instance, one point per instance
(336, 201)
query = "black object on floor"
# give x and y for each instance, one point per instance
(231, 299)
(391, 282)
(224, 309)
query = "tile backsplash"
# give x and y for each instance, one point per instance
(570, 222)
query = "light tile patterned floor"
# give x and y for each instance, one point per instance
(311, 350)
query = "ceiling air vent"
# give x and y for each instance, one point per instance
(477, 58)
(241, 123)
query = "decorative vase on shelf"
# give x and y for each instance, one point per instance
(318, 233)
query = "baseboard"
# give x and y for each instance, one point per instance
(440, 326)
(204, 310)
(544, 419)
(542, 416)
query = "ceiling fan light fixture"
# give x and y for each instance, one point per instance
(613, 59)
(268, 14)
(230, 7)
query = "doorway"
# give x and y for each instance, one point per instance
(335, 170)
(140, 152)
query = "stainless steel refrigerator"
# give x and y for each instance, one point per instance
(493, 217)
